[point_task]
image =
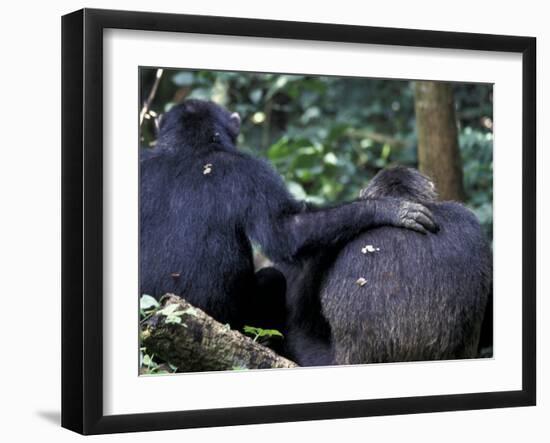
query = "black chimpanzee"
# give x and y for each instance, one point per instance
(392, 294)
(202, 202)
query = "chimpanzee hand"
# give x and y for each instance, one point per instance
(404, 214)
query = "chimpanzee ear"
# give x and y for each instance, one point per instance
(235, 121)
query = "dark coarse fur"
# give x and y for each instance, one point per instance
(424, 296)
(202, 202)
(194, 225)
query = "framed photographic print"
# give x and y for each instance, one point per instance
(270, 221)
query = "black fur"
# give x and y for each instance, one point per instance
(202, 202)
(424, 297)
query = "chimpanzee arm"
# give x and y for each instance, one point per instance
(329, 227)
(284, 236)
(286, 228)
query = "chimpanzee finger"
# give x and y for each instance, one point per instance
(415, 226)
(424, 220)
(416, 208)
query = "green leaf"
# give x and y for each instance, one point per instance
(296, 190)
(148, 360)
(251, 330)
(330, 158)
(259, 332)
(183, 78)
(270, 333)
(147, 302)
(310, 114)
(279, 150)
(256, 95)
(200, 94)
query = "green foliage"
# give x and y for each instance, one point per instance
(477, 153)
(147, 306)
(260, 334)
(328, 136)
(146, 303)
(148, 363)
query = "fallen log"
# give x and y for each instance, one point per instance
(192, 341)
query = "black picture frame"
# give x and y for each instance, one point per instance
(82, 218)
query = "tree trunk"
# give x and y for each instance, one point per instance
(438, 151)
(193, 341)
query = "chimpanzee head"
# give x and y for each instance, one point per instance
(401, 182)
(194, 124)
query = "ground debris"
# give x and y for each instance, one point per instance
(369, 249)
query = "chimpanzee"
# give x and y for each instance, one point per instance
(392, 294)
(202, 203)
